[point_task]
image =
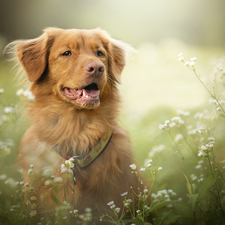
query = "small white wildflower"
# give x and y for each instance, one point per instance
(203, 147)
(138, 211)
(75, 211)
(112, 206)
(88, 210)
(178, 137)
(161, 127)
(160, 168)
(19, 92)
(193, 59)
(124, 194)
(198, 167)
(33, 206)
(58, 179)
(192, 63)
(8, 109)
(126, 204)
(1, 90)
(145, 190)
(33, 198)
(33, 213)
(30, 172)
(177, 119)
(186, 63)
(212, 101)
(180, 54)
(117, 210)
(211, 138)
(167, 122)
(133, 166)
(110, 203)
(173, 124)
(181, 59)
(201, 179)
(47, 182)
(142, 169)
(210, 145)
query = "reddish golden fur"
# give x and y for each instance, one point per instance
(57, 120)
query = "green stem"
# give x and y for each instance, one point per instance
(213, 96)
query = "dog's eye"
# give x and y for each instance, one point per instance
(67, 53)
(100, 54)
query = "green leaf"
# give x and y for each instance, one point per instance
(192, 199)
(162, 217)
(188, 184)
(135, 220)
(211, 180)
(171, 219)
(162, 204)
(186, 213)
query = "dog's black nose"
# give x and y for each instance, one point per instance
(94, 69)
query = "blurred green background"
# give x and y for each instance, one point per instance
(154, 85)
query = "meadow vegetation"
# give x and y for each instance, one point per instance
(180, 153)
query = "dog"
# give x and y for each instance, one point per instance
(74, 76)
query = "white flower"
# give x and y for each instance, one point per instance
(181, 59)
(198, 167)
(117, 210)
(58, 179)
(138, 211)
(30, 172)
(145, 190)
(193, 59)
(9, 110)
(192, 63)
(47, 182)
(1, 90)
(178, 137)
(19, 92)
(161, 127)
(110, 203)
(33, 213)
(142, 169)
(160, 168)
(186, 63)
(112, 206)
(133, 166)
(33, 198)
(177, 119)
(180, 55)
(75, 211)
(124, 194)
(211, 138)
(203, 147)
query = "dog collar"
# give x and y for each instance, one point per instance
(92, 154)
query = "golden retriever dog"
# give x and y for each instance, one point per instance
(74, 76)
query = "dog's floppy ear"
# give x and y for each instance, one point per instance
(118, 55)
(33, 55)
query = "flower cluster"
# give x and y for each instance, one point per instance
(68, 166)
(190, 64)
(27, 94)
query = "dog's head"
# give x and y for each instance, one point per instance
(80, 67)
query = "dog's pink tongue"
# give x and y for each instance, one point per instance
(92, 93)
